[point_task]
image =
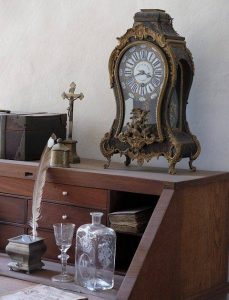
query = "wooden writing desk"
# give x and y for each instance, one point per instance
(183, 253)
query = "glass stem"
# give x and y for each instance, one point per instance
(64, 257)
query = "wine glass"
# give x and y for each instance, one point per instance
(63, 234)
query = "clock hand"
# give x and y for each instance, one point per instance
(142, 72)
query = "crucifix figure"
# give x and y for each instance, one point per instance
(71, 98)
(70, 143)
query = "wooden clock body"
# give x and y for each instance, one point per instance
(151, 72)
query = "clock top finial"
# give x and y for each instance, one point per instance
(152, 15)
(157, 20)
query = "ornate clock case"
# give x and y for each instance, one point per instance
(151, 72)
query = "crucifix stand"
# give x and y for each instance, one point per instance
(69, 142)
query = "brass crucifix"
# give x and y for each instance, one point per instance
(70, 143)
(71, 98)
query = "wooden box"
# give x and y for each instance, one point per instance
(24, 136)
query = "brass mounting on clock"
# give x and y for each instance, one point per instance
(151, 73)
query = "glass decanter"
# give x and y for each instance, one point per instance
(95, 255)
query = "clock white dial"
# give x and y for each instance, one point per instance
(142, 74)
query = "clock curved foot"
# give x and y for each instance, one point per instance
(127, 161)
(107, 164)
(172, 170)
(192, 168)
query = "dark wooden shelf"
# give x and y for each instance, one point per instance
(129, 233)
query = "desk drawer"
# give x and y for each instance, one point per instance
(16, 186)
(52, 213)
(80, 196)
(13, 209)
(7, 232)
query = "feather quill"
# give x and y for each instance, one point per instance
(39, 184)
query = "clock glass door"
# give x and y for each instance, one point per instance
(141, 75)
(175, 104)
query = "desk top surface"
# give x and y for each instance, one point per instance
(93, 170)
(44, 277)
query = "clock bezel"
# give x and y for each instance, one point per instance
(120, 96)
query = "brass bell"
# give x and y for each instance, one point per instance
(60, 155)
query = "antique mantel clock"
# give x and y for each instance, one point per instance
(151, 72)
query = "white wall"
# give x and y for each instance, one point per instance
(46, 44)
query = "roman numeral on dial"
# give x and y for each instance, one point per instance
(150, 57)
(142, 90)
(130, 63)
(134, 87)
(143, 54)
(128, 72)
(130, 81)
(156, 63)
(150, 88)
(135, 56)
(158, 72)
(156, 82)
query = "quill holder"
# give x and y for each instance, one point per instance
(26, 251)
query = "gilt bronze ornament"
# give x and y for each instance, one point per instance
(151, 72)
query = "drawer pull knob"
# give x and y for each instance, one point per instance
(64, 193)
(64, 217)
